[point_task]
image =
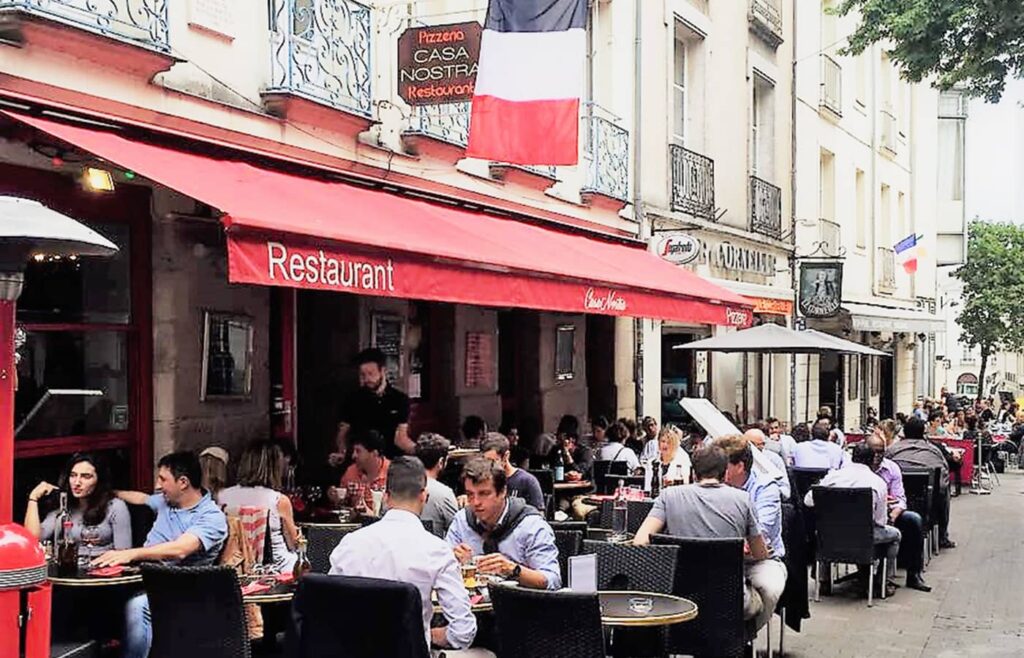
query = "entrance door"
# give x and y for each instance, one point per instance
(887, 390)
(600, 355)
(830, 384)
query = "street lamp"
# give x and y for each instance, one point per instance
(28, 230)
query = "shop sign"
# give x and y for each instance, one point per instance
(770, 306)
(437, 64)
(821, 288)
(736, 258)
(739, 317)
(679, 248)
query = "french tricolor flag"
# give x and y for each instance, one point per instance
(530, 78)
(906, 253)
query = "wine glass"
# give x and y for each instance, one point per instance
(90, 539)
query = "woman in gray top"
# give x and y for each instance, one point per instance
(91, 503)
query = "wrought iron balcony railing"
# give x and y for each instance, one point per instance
(766, 20)
(831, 85)
(886, 269)
(606, 147)
(693, 182)
(138, 22)
(320, 50)
(765, 208)
(448, 123)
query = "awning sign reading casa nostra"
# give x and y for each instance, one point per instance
(285, 229)
(266, 260)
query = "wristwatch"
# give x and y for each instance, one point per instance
(518, 569)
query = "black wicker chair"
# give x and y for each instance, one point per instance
(141, 518)
(580, 526)
(607, 475)
(802, 479)
(321, 541)
(569, 543)
(625, 567)
(322, 604)
(542, 624)
(845, 533)
(709, 572)
(636, 513)
(196, 612)
(917, 485)
(546, 479)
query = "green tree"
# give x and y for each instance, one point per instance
(974, 44)
(992, 318)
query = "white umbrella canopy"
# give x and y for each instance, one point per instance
(28, 227)
(847, 346)
(763, 338)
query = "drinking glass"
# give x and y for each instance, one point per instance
(641, 604)
(90, 539)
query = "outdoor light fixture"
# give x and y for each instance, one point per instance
(97, 179)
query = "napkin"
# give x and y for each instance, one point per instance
(254, 588)
(107, 572)
(285, 578)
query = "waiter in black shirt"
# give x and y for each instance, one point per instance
(376, 405)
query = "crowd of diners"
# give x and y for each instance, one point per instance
(497, 518)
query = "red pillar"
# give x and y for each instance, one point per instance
(7, 376)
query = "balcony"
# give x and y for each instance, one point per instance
(320, 60)
(606, 156)
(885, 267)
(765, 18)
(127, 35)
(830, 236)
(693, 182)
(888, 136)
(438, 131)
(765, 208)
(831, 86)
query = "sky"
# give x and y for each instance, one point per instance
(995, 157)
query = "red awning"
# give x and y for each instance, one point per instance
(289, 230)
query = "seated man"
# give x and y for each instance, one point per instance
(369, 468)
(914, 451)
(510, 537)
(909, 523)
(768, 577)
(441, 505)
(521, 484)
(857, 474)
(709, 509)
(398, 548)
(189, 530)
(819, 452)
(757, 439)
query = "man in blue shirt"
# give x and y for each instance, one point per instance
(768, 577)
(190, 529)
(506, 536)
(819, 452)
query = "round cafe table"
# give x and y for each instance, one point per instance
(82, 578)
(570, 488)
(666, 609)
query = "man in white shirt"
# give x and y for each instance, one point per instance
(819, 452)
(857, 474)
(398, 548)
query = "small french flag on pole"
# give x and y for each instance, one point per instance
(906, 253)
(528, 85)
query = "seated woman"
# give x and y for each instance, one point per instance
(92, 504)
(260, 472)
(672, 466)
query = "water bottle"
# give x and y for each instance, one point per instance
(619, 508)
(559, 466)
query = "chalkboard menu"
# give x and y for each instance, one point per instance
(388, 336)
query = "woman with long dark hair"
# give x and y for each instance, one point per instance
(92, 504)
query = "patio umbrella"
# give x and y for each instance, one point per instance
(764, 339)
(28, 228)
(847, 346)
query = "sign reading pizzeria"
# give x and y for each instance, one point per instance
(437, 64)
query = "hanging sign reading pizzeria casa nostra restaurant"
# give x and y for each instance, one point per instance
(821, 288)
(437, 64)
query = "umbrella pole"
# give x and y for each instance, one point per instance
(771, 373)
(807, 390)
(7, 375)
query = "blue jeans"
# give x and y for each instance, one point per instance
(138, 627)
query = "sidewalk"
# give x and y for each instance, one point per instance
(975, 608)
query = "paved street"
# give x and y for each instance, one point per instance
(974, 609)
